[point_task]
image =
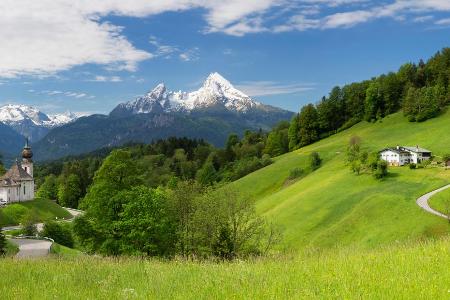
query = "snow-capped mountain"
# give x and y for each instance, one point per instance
(211, 113)
(216, 94)
(31, 122)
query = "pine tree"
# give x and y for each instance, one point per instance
(293, 133)
(308, 123)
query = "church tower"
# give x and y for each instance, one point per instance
(27, 161)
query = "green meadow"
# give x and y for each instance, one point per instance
(345, 236)
(42, 209)
(441, 201)
(334, 207)
(412, 271)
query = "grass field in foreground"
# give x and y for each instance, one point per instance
(44, 210)
(419, 271)
(441, 201)
(332, 206)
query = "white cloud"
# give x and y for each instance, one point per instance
(100, 78)
(443, 22)
(422, 19)
(77, 95)
(190, 55)
(42, 38)
(169, 51)
(267, 88)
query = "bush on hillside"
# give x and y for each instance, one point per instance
(60, 233)
(412, 166)
(296, 173)
(29, 221)
(382, 170)
(314, 161)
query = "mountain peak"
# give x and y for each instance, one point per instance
(158, 91)
(215, 81)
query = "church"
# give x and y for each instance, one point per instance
(17, 185)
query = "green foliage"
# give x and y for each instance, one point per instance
(308, 125)
(314, 161)
(412, 166)
(145, 225)
(2, 243)
(225, 224)
(29, 223)
(207, 175)
(381, 170)
(293, 133)
(60, 233)
(49, 189)
(424, 103)
(296, 173)
(69, 191)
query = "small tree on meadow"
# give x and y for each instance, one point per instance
(314, 161)
(59, 233)
(381, 170)
(29, 221)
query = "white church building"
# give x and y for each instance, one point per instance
(403, 155)
(17, 185)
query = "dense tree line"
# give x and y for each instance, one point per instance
(420, 90)
(125, 216)
(166, 162)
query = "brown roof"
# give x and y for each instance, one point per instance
(14, 175)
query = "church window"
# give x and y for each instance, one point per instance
(24, 190)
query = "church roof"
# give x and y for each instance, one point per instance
(14, 175)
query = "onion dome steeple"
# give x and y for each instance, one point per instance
(27, 153)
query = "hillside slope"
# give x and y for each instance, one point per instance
(332, 206)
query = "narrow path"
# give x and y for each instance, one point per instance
(423, 202)
(32, 248)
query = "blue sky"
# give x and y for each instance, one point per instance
(89, 56)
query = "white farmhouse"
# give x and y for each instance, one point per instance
(17, 184)
(402, 155)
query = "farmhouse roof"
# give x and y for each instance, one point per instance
(417, 149)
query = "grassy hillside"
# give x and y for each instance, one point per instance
(44, 210)
(401, 272)
(441, 201)
(332, 206)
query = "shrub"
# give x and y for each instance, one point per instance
(295, 173)
(61, 234)
(29, 224)
(412, 166)
(314, 161)
(382, 170)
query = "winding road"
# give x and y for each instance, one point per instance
(423, 202)
(32, 248)
(36, 248)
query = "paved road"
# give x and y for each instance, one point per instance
(39, 227)
(423, 202)
(73, 212)
(32, 248)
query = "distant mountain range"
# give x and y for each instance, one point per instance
(18, 122)
(30, 122)
(212, 113)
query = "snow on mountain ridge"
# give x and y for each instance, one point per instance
(12, 114)
(216, 90)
